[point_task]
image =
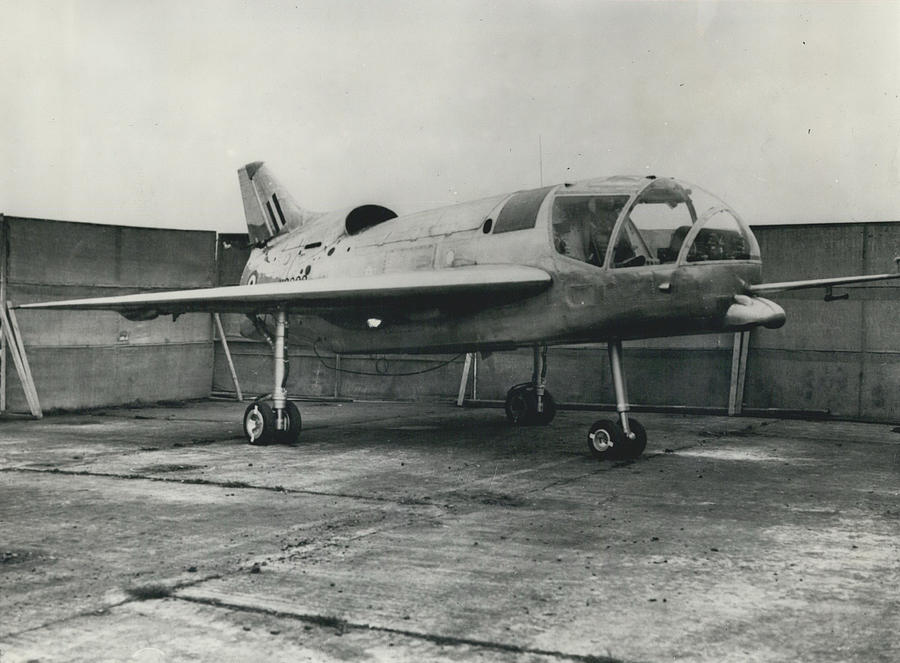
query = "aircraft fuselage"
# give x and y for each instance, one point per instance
(666, 287)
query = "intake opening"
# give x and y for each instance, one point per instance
(366, 216)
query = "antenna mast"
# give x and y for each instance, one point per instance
(541, 158)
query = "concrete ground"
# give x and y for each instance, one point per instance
(421, 532)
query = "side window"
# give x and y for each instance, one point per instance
(721, 238)
(520, 211)
(582, 225)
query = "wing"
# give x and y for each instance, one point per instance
(772, 288)
(497, 284)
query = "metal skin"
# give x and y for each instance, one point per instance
(585, 303)
(604, 260)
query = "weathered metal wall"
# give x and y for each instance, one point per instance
(86, 359)
(842, 356)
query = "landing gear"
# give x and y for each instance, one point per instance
(522, 406)
(259, 424)
(279, 422)
(529, 403)
(607, 440)
(261, 429)
(624, 438)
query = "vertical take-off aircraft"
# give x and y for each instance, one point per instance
(601, 260)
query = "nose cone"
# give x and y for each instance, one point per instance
(748, 312)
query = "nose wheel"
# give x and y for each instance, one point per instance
(624, 438)
(607, 441)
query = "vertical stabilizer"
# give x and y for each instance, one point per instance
(268, 207)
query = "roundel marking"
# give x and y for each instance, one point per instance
(252, 279)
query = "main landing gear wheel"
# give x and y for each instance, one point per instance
(607, 440)
(279, 422)
(260, 424)
(292, 424)
(522, 407)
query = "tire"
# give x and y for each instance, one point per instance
(259, 424)
(545, 417)
(634, 448)
(605, 440)
(519, 409)
(291, 433)
(521, 406)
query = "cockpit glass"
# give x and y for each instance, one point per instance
(655, 227)
(661, 217)
(720, 238)
(582, 225)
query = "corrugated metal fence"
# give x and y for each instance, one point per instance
(86, 359)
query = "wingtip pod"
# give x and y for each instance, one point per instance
(748, 312)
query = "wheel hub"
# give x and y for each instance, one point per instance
(254, 424)
(601, 440)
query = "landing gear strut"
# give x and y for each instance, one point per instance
(529, 403)
(624, 438)
(279, 422)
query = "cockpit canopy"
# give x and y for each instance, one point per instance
(660, 221)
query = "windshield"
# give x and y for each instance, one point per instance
(582, 225)
(661, 218)
(656, 226)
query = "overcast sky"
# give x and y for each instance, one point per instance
(140, 113)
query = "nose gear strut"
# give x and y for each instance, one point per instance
(624, 438)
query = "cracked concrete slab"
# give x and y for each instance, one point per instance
(166, 630)
(423, 532)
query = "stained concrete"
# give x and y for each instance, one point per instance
(405, 532)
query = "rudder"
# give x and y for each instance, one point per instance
(268, 207)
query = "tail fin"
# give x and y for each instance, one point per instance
(268, 206)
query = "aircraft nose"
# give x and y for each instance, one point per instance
(747, 312)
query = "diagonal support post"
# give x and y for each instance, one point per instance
(464, 379)
(234, 379)
(10, 330)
